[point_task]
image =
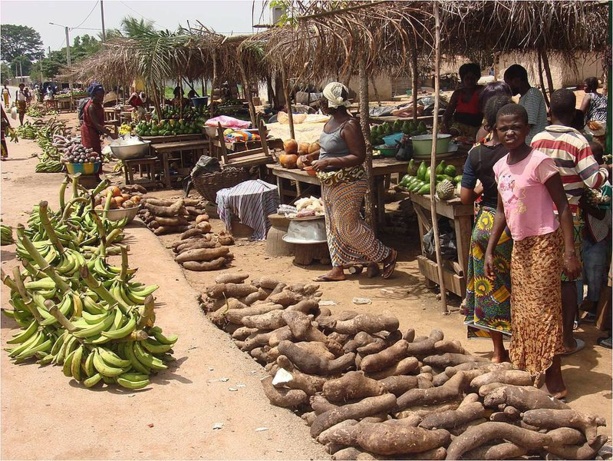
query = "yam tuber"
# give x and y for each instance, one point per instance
(404, 367)
(366, 407)
(165, 211)
(201, 217)
(453, 418)
(370, 323)
(268, 321)
(523, 398)
(386, 358)
(235, 316)
(452, 390)
(477, 436)
(515, 377)
(313, 364)
(228, 277)
(353, 385)
(161, 230)
(230, 290)
(504, 450)
(212, 265)
(310, 384)
(204, 254)
(389, 438)
(568, 443)
(449, 359)
(285, 398)
(189, 233)
(285, 298)
(173, 221)
(398, 385)
(548, 418)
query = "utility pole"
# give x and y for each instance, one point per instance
(102, 14)
(68, 63)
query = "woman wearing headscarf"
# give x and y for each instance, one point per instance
(93, 119)
(343, 184)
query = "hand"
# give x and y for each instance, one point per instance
(320, 165)
(305, 159)
(572, 266)
(489, 265)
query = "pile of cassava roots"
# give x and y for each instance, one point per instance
(370, 391)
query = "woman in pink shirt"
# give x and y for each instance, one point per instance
(529, 186)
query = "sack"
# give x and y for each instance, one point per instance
(14, 113)
(447, 241)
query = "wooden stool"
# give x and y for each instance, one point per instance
(146, 167)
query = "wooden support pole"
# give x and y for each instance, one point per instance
(246, 88)
(437, 97)
(415, 81)
(288, 100)
(371, 216)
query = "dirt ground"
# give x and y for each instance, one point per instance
(47, 416)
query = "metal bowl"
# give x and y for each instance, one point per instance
(130, 151)
(306, 232)
(119, 213)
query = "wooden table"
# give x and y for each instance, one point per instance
(383, 168)
(454, 274)
(174, 138)
(164, 150)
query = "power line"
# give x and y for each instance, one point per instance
(132, 9)
(87, 17)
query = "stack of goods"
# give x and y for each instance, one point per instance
(46, 134)
(170, 127)
(369, 391)
(408, 127)
(293, 150)
(234, 135)
(77, 311)
(417, 179)
(6, 235)
(201, 250)
(170, 216)
(124, 197)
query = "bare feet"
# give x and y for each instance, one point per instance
(389, 264)
(337, 274)
(499, 358)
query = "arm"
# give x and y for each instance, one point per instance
(352, 134)
(470, 190)
(585, 103)
(98, 124)
(449, 111)
(500, 222)
(572, 267)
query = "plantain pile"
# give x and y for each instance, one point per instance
(6, 235)
(48, 134)
(76, 310)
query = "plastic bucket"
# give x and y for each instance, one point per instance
(199, 102)
(83, 168)
(422, 144)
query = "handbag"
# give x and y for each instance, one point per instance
(14, 113)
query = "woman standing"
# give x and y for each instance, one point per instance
(529, 186)
(93, 119)
(21, 98)
(343, 183)
(594, 104)
(463, 115)
(488, 301)
(5, 126)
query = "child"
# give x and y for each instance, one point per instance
(529, 186)
(464, 106)
(532, 99)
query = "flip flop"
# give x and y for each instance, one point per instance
(605, 342)
(579, 344)
(325, 278)
(388, 268)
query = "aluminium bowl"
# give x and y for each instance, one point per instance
(130, 151)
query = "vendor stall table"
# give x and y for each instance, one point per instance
(175, 138)
(66, 104)
(454, 274)
(173, 151)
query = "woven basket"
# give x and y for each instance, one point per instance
(209, 184)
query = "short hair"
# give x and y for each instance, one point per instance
(469, 68)
(493, 89)
(591, 83)
(563, 103)
(513, 109)
(516, 70)
(494, 104)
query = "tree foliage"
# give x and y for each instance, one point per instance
(19, 41)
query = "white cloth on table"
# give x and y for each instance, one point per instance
(250, 201)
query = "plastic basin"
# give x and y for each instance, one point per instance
(422, 144)
(387, 151)
(83, 168)
(119, 213)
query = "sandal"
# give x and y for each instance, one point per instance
(388, 268)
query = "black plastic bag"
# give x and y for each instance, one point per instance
(449, 249)
(204, 165)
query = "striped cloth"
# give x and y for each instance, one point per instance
(251, 202)
(350, 240)
(574, 159)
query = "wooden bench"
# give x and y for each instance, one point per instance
(165, 150)
(110, 120)
(146, 167)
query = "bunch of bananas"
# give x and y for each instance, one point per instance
(27, 131)
(76, 310)
(6, 235)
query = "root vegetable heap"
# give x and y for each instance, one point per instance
(369, 391)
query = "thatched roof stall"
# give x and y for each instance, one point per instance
(382, 36)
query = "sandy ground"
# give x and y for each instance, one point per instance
(47, 416)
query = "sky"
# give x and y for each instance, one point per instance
(228, 17)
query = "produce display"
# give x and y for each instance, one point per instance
(409, 127)
(45, 133)
(308, 206)
(171, 216)
(77, 311)
(6, 235)
(168, 127)
(124, 197)
(39, 110)
(369, 391)
(201, 250)
(417, 179)
(292, 150)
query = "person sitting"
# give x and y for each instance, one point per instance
(110, 99)
(594, 108)
(463, 115)
(138, 104)
(179, 99)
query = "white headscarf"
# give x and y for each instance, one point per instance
(333, 93)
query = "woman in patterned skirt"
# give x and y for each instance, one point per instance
(487, 305)
(343, 185)
(529, 185)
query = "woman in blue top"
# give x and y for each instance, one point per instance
(487, 305)
(343, 186)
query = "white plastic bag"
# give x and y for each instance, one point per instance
(14, 113)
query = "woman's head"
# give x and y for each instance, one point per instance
(335, 96)
(470, 74)
(591, 84)
(177, 92)
(494, 104)
(512, 125)
(493, 89)
(96, 91)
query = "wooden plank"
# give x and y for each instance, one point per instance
(453, 282)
